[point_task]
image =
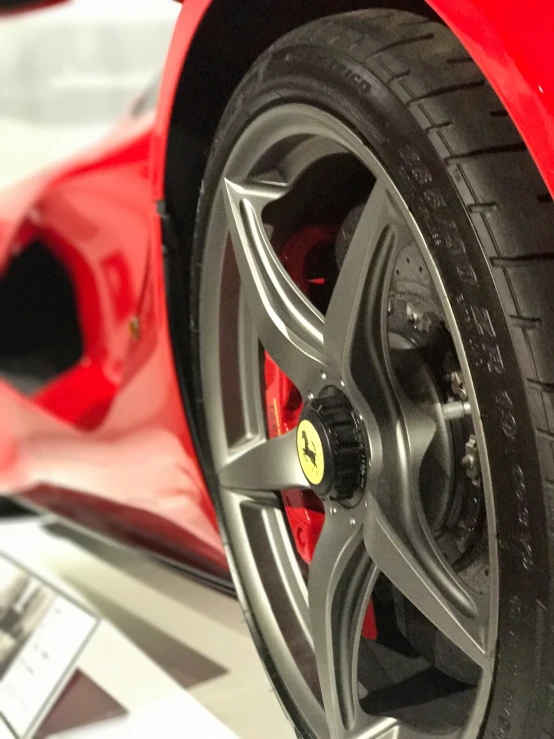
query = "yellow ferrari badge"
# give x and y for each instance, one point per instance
(310, 452)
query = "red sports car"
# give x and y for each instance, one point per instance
(307, 305)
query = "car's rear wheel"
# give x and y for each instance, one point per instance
(362, 380)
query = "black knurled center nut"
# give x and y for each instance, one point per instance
(344, 451)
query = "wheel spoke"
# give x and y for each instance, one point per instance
(362, 278)
(397, 535)
(265, 465)
(394, 555)
(341, 577)
(288, 325)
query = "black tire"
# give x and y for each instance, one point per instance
(409, 88)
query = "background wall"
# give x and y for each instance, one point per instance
(68, 72)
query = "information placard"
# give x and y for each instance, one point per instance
(42, 634)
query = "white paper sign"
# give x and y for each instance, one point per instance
(41, 635)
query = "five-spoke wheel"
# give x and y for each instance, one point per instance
(388, 416)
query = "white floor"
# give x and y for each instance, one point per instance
(205, 622)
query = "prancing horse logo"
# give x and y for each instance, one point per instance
(310, 452)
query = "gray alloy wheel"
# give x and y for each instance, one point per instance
(387, 349)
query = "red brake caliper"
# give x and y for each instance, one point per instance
(304, 509)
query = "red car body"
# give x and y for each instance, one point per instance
(107, 443)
